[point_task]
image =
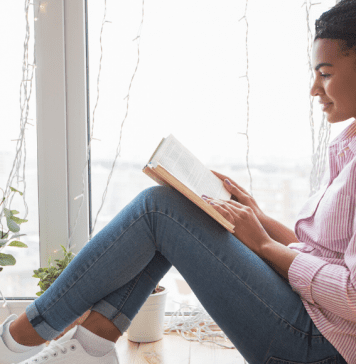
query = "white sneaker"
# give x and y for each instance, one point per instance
(69, 351)
(9, 357)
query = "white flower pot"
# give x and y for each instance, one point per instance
(148, 324)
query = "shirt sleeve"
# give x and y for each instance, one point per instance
(329, 286)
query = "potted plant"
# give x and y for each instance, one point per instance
(48, 275)
(148, 324)
(13, 223)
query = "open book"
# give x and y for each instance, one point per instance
(174, 165)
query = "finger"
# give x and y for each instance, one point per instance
(236, 191)
(227, 202)
(223, 177)
(206, 198)
(223, 211)
(231, 207)
(235, 203)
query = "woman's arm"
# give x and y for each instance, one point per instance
(277, 256)
(277, 231)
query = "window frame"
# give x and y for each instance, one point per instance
(61, 105)
(62, 130)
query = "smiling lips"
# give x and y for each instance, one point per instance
(325, 105)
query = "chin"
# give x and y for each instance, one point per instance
(334, 119)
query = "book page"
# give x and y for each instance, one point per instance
(184, 166)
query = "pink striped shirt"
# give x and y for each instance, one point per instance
(324, 272)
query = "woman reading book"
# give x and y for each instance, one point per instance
(280, 296)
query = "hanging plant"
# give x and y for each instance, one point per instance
(7, 238)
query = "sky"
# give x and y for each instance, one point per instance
(188, 81)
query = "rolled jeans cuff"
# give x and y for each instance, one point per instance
(42, 328)
(121, 321)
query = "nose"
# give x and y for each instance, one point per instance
(316, 89)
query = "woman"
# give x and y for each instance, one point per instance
(280, 297)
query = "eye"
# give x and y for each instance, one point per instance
(325, 75)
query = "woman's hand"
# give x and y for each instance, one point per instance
(248, 229)
(240, 195)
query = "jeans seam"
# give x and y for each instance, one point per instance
(275, 313)
(129, 293)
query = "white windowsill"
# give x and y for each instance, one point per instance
(18, 307)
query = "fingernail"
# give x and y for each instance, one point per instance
(228, 182)
(204, 196)
(212, 203)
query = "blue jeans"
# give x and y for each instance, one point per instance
(116, 271)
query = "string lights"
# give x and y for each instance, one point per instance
(248, 99)
(248, 104)
(197, 323)
(318, 156)
(127, 98)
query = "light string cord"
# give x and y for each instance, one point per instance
(138, 38)
(248, 104)
(198, 323)
(320, 163)
(127, 97)
(248, 98)
(25, 96)
(318, 156)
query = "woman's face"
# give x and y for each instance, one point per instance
(334, 83)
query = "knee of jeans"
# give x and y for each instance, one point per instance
(157, 197)
(158, 193)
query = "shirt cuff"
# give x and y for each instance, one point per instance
(301, 273)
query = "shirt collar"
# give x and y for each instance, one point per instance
(348, 133)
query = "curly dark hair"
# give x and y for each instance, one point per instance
(339, 23)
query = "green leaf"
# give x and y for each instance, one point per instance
(7, 259)
(3, 242)
(12, 226)
(42, 275)
(17, 220)
(15, 190)
(18, 244)
(14, 212)
(8, 213)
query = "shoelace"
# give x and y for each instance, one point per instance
(52, 349)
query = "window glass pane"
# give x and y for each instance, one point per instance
(17, 280)
(188, 83)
